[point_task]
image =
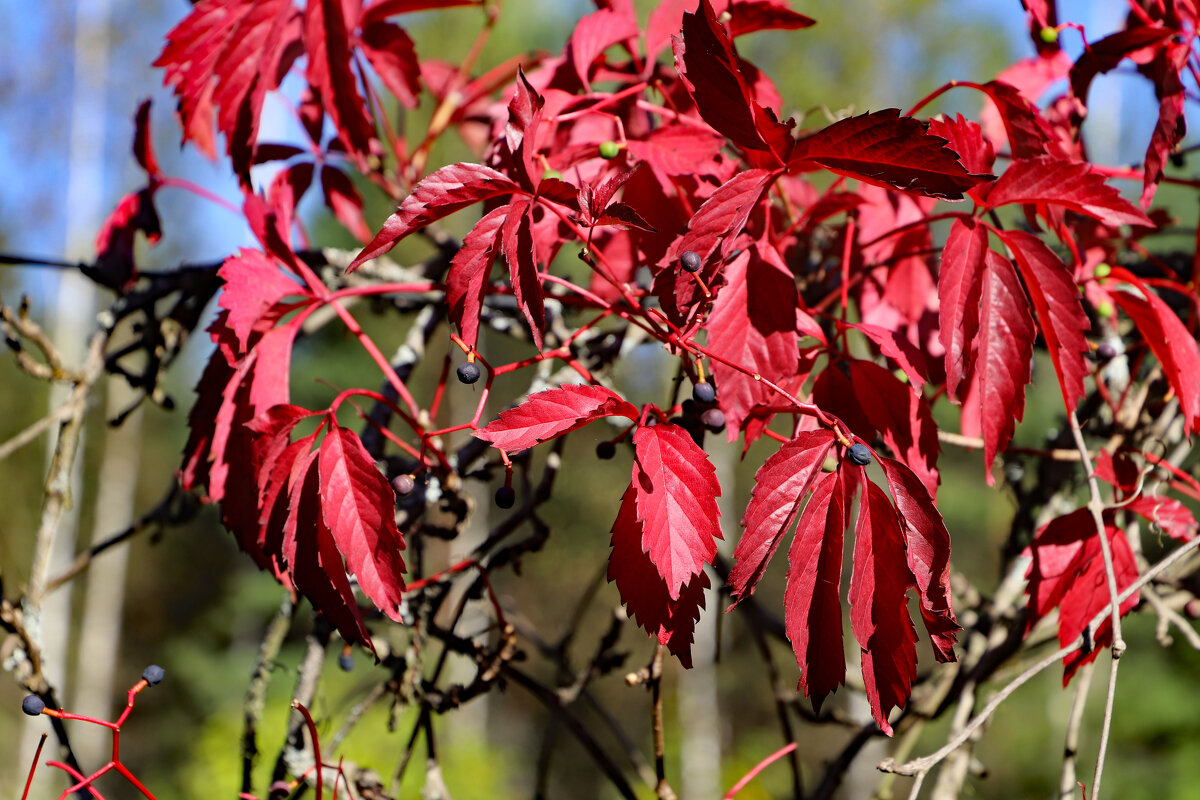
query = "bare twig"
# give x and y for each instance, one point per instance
(1083, 682)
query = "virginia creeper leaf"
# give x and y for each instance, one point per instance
(958, 298)
(1070, 184)
(552, 413)
(676, 491)
(466, 284)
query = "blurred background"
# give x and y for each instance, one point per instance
(71, 77)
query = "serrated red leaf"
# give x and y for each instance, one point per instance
(466, 284)
(516, 240)
(381, 9)
(927, 550)
(676, 149)
(357, 504)
(886, 149)
(1070, 184)
(899, 349)
(552, 413)
(1168, 514)
(958, 295)
(812, 600)
(753, 324)
(313, 558)
(143, 143)
(749, 16)
(1171, 342)
(645, 593)
(327, 42)
(1067, 572)
(1004, 351)
(253, 285)
(780, 486)
(879, 606)
(713, 74)
(225, 56)
(438, 195)
(965, 137)
(115, 265)
(676, 490)
(391, 53)
(901, 416)
(1029, 135)
(1172, 124)
(1060, 316)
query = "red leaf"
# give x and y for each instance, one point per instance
(313, 558)
(1172, 124)
(927, 548)
(676, 150)
(202, 421)
(1172, 343)
(779, 489)
(1029, 134)
(437, 195)
(328, 44)
(466, 284)
(879, 606)
(762, 15)
(1059, 314)
(645, 593)
(228, 54)
(713, 74)
(516, 239)
(1004, 352)
(594, 34)
(899, 349)
(886, 149)
(143, 144)
(1070, 184)
(753, 323)
(901, 415)
(812, 600)
(958, 294)
(115, 265)
(391, 53)
(1173, 517)
(552, 413)
(676, 489)
(1067, 572)
(344, 201)
(253, 285)
(381, 9)
(966, 138)
(358, 505)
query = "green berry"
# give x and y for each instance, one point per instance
(860, 454)
(33, 705)
(552, 173)
(606, 450)
(468, 372)
(1102, 271)
(609, 149)
(1106, 309)
(690, 261)
(704, 392)
(1049, 35)
(506, 496)
(153, 674)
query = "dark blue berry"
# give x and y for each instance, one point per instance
(714, 420)
(506, 496)
(1105, 352)
(690, 261)
(403, 484)
(153, 674)
(468, 372)
(33, 705)
(346, 661)
(606, 450)
(860, 454)
(704, 392)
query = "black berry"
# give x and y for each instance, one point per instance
(1105, 352)
(468, 372)
(860, 454)
(153, 674)
(690, 261)
(346, 661)
(606, 450)
(279, 789)
(506, 496)
(714, 420)
(403, 484)
(704, 392)
(33, 705)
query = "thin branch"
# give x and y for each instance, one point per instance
(1083, 682)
